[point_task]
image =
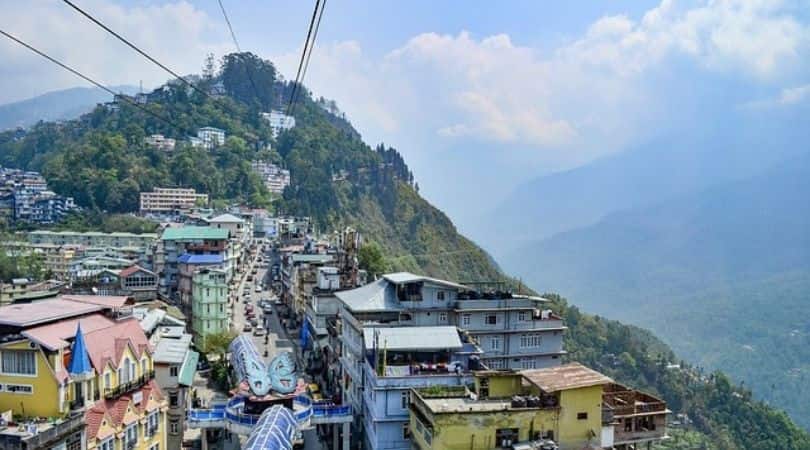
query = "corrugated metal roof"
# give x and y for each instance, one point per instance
(311, 257)
(407, 277)
(172, 351)
(194, 233)
(189, 368)
(226, 218)
(376, 296)
(565, 377)
(413, 338)
(29, 314)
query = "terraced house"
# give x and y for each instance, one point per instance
(81, 357)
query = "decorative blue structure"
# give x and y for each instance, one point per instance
(282, 373)
(79, 360)
(249, 366)
(275, 430)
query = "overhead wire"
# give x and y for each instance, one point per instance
(239, 49)
(92, 81)
(303, 56)
(309, 55)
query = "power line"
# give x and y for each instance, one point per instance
(92, 81)
(135, 47)
(303, 55)
(309, 55)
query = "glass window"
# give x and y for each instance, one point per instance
(405, 398)
(531, 340)
(173, 371)
(406, 431)
(495, 343)
(440, 295)
(492, 319)
(582, 416)
(19, 362)
(443, 317)
(465, 320)
(522, 316)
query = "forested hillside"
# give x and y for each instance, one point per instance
(723, 275)
(340, 180)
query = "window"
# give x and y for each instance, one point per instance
(528, 363)
(155, 447)
(406, 431)
(465, 320)
(173, 399)
(582, 416)
(504, 437)
(107, 444)
(443, 317)
(17, 388)
(131, 433)
(496, 364)
(144, 366)
(152, 423)
(522, 316)
(174, 427)
(19, 362)
(107, 380)
(495, 343)
(173, 371)
(405, 398)
(530, 340)
(491, 319)
(440, 295)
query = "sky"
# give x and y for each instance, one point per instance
(478, 96)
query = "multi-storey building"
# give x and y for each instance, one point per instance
(639, 419)
(209, 304)
(275, 178)
(82, 355)
(175, 364)
(169, 200)
(211, 137)
(133, 282)
(279, 121)
(24, 196)
(92, 239)
(557, 407)
(382, 364)
(160, 142)
(241, 235)
(187, 266)
(191, 240)
(25, 290)
(514, 331)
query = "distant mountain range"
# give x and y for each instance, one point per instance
(57, 105)
(723, 275)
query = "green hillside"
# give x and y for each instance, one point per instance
(101, 161)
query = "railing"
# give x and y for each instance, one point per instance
(60, 429)
(128, 386)
(629, 410)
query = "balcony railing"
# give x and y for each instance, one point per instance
(128, 386)
(56, 432)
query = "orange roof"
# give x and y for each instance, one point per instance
(110, 301)
(564, 377)
(54, 336)
(131, 270)
(108, 344)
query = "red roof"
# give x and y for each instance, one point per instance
(54, 336)
(115, 409)
(108, 344)
(131, 270)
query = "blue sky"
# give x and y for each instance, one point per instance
(478, 96)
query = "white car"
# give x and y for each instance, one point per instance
(258, 331)
(258, 288)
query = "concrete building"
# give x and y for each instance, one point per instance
(383, 364)
(191, 240)
(558, 407)
(187, 266)
(279, 121)
(211, 137)
(275, 178)
(210, 311)
(240, 236)
(175, 365)
(160, 142)
(25, 290)
(169, 200)
(515, 332)
(121, 241)
(639, 419)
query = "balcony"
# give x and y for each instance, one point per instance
(56, 432)
(129, 386)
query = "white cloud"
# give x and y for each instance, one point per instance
(787, 97)
(177, 34)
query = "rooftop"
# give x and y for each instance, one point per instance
(407, 277)
(464, 404)
(187, 258)
(564, 377)
(54, 336)
(413, 338)
(172, 351)
(194, 233)
(111, 301)
(40, 312)
(226, 218)
(375, 296)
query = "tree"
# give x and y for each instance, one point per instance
(371, 259)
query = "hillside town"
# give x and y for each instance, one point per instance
(190, 336)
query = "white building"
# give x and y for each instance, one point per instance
(279, 121)
(211, 137)
(274, 177)
(163, 200)
(160, 142)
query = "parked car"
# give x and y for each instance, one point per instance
(247, 328)
(259, 331)
(254, 322)
(258, 288)
(277, 302)
(267, 311)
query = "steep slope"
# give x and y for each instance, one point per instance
(722, 275)
(339, 180)
(57, 105)
(663, 168)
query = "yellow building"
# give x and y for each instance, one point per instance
(75, 356)
(559, 404)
